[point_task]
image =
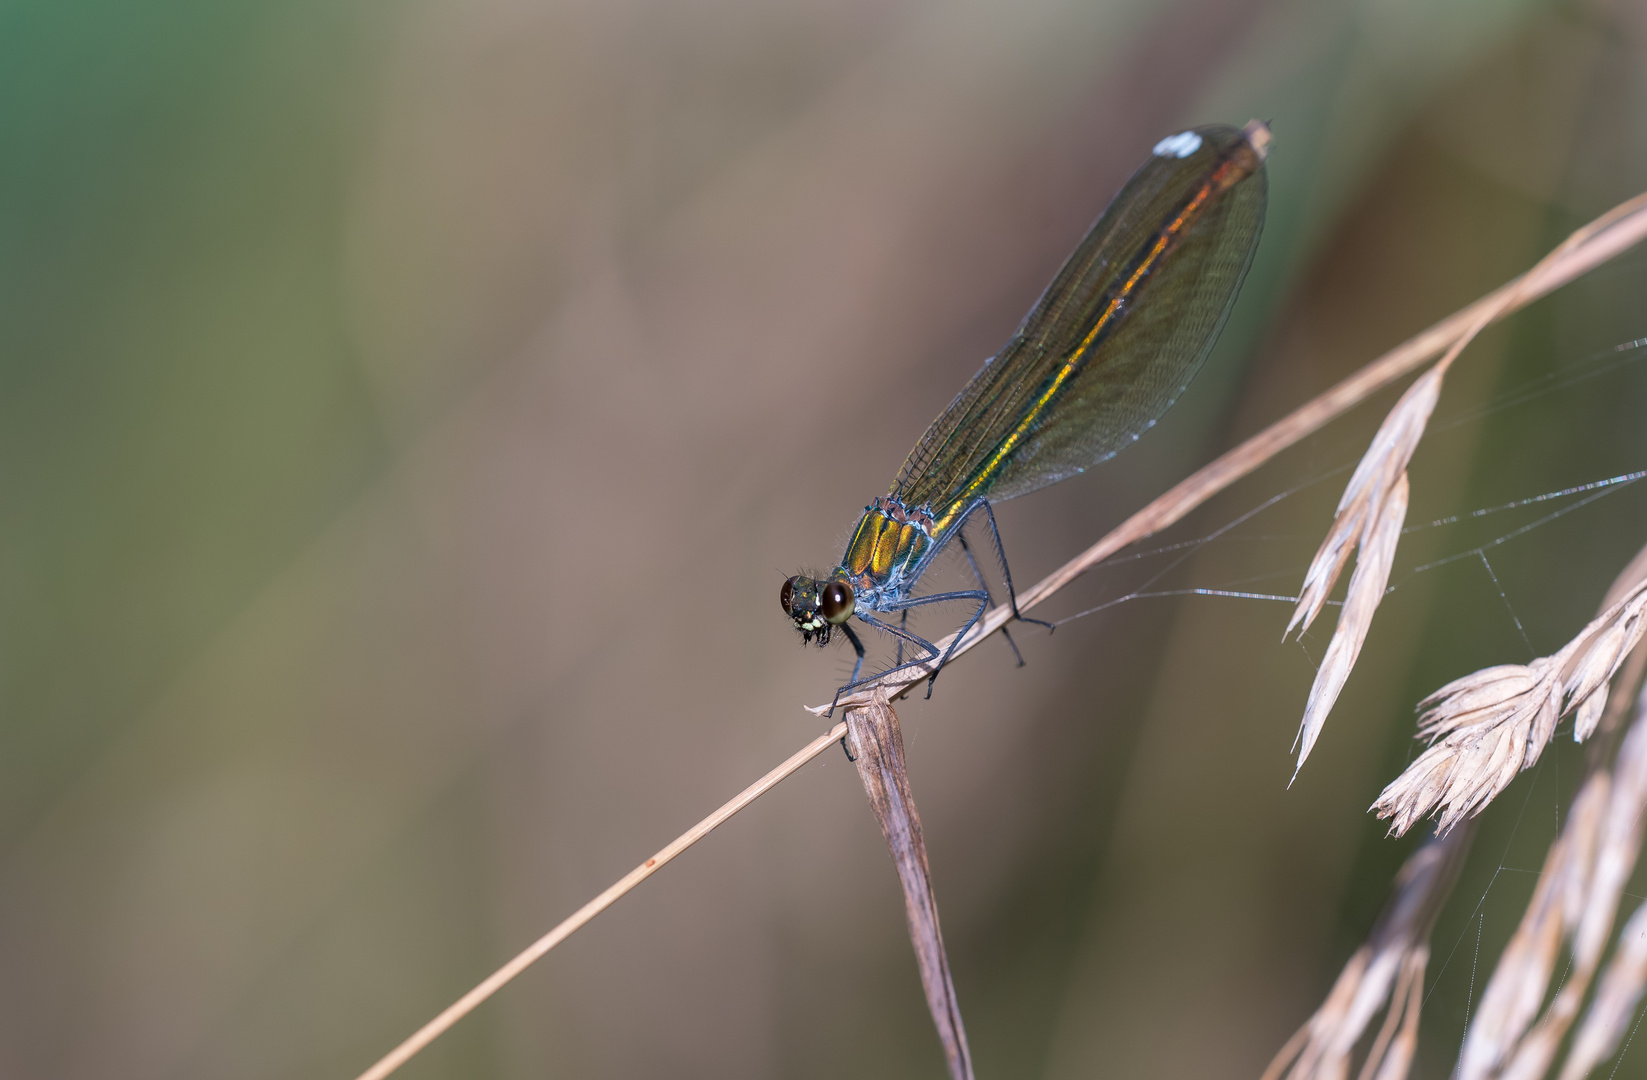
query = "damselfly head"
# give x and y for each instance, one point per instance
(816, 606)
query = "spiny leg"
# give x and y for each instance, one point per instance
(980, 595)
(930, 649)
(857, 667)
(858, 664)
(1006, 570)
(984, 585)
(983, 606)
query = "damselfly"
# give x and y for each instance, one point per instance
(1110, 345)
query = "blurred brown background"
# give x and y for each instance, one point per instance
(409, 412)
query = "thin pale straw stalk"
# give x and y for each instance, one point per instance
(1370, 514)
(535, 951)
(1609, 235)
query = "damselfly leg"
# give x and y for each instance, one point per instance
(858, 664)
(930, 651)
(1006, 570)
(981, 594)
(979, 574)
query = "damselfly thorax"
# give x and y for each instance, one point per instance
(884, 558)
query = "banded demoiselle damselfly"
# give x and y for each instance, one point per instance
(1113, 341)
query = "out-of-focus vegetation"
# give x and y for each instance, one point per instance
(409, 412)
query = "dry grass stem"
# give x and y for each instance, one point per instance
(1386, 973)
(1616, 231)
(532, 953)
(1489, 725)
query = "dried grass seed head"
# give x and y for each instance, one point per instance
(1487, 726)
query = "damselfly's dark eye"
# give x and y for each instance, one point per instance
(787, 597)
(836, 602)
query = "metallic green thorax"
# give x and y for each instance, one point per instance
(886, 547)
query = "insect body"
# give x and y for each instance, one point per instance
(1106, 350)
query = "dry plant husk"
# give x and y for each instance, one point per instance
(878, 751)
(1386, 973)
(1622, 983)
(1488, 726)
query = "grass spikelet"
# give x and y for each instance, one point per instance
(1361, 506)
(1392, 1052)
(1489, 725)
(1368, 520)
(1366, 590)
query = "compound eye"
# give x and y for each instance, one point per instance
(835, 602)
(787, 597)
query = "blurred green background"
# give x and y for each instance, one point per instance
(408, 413)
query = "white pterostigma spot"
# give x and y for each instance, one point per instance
(1181, 145)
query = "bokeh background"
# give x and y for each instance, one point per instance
(409, 411)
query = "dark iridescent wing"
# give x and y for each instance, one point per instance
(1115, 338)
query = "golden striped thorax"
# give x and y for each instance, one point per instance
(885, 551)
